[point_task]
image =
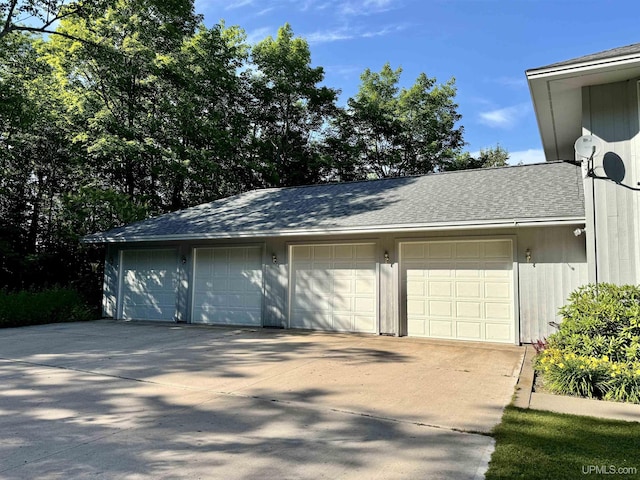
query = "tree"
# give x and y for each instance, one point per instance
(113, 81)
(387, 131)
(487, 157)
(202, 122)
(42, 16)
(288, 111)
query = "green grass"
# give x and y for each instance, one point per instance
(533, 445)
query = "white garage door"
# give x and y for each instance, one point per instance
(148, 284)
(227, 288)
(333, 287)
(460, 289)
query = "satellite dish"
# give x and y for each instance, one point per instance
(587, 146)
(613, 167)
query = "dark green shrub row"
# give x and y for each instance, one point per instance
(48, 306)
(596, 351)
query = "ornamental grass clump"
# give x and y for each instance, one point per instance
(596, 351)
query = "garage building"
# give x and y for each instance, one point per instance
(484, 255)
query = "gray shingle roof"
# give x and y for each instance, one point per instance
(594, 57)
(494, 195)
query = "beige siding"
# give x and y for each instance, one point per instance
(610, 112)
(557, 267)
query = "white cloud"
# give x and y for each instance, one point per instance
(264, 11)
(532, 155)
(348, 33)
(233, 4)
(325, 36)
(259, 34)
(504, 117)
(367, 7)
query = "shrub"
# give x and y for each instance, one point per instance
(596, 351)
(624, 385)
(48, 306)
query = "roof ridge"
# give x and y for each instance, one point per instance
(385, 179)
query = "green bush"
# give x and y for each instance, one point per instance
(596, 351)
(48, 306)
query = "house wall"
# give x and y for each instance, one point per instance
(610, 112)
(558, 266)
(110, 283)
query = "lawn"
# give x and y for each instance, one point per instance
(532, 444)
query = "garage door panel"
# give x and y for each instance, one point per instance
(440, 288)
(493, 270)
(499, 332)
(342, 294)
(366, 252)
(469, 330)
(498, 249)
(468, 289)
(468, 309)
(365, 305)
(459, 289)
(468, 270)
(343, 252)
(365, 285)
(417, 326)
(417, 307)
(440, 308)
(467, 250)
(344, 284)
(501, 311)
(149, 281)
(438, 250)
(342, 303)
(364, 323)
(413, 251)
(497, 290)
(439, 328)
(323, 252)
(227, 286)
(415, 287)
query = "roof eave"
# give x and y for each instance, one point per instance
(442, 226)
(556, 92)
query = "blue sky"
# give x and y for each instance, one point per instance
(486, 45)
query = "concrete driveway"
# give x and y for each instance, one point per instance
(129, 400)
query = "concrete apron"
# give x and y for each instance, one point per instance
(113, 399)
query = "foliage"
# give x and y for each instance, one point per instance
(388, 131)
(487, 158)
(596, 351)
(131, 108)
(289, 110)
(40, 16)
(48, 306)
(540, 445)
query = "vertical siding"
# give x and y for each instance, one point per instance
(183, 303)
(110, 282)
(610, 112)
(558, 266)
(275, 285)
(388, 287)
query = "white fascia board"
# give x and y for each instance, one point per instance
(525, 222)
(585, 67)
